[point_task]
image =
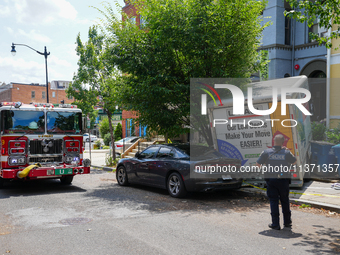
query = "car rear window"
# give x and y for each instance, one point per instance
(165, 153)
(149, 152)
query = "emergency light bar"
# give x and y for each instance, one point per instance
(45, 105)
(54, 105)
(15, 104)
(7, 103)
(66, 106)
(42, 105)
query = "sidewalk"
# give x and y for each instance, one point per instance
(316, 193)
(98, 159)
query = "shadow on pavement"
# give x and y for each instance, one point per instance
(158, 200)
(322, 241)
(36, 187)
(285, 233)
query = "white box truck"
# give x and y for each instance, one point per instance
(245, 136)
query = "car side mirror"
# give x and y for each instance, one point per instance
(137, 154)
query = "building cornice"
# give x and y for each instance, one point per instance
(304, 46)
(31, 84)
(309, 45)
(275, 46)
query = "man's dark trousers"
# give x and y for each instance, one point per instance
(278, 189)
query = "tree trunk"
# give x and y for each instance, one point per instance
(109, 116)
(204, 129)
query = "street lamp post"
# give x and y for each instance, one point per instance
(13, 51)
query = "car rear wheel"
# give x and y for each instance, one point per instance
(121, 176)
(175, 186)
(66, 180)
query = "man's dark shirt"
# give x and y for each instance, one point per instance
(276, 156)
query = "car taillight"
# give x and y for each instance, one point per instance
(119, 145)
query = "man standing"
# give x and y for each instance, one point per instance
(278, 182)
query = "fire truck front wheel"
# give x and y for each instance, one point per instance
(66, 180)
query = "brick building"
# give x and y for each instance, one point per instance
(27, 93)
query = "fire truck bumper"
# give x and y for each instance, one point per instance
(45, 172)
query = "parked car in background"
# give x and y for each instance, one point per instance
(168, 166)
(125, 142)
(86, 137)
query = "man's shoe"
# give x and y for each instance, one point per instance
(274, 227)
(289, 225)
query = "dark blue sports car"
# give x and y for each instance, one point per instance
(170, 167)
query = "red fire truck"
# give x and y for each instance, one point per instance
(41, 140)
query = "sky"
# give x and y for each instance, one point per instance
(39, 23)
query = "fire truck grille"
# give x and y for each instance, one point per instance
(46, 146)
(57, 159)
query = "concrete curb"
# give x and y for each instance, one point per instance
(104, 168)
(330, 207)
(297, 201)
(325, 180)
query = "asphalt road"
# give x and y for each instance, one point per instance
(96, 216)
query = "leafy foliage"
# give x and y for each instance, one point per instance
(321, 133)
(318, 131)
(326, 11)
(98, 143)
(110, 161)
(118, 132)
(95, 82)
(104, 127)
(333, 135)
(107, 139)
(105, 131)
(181, 39)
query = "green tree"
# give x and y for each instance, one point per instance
(118, 132)
(94, 83)
(181, 39)
(107, 139)
(104, 127)
(326, 11)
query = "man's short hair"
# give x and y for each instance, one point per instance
(279, 139)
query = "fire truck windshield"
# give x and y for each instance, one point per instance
(63, 122)
(27, 122)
